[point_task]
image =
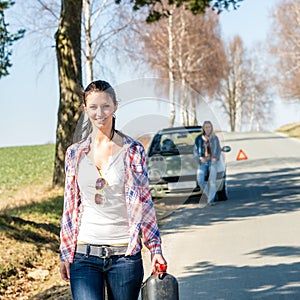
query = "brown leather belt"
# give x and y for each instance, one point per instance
(102, 251)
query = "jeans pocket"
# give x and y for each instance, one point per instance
(78, 258)
(134, 258)
(131, 260)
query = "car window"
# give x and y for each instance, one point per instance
(173, 143)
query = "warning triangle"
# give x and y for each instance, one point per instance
(241, 155)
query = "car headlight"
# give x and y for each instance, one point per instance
(154, 174)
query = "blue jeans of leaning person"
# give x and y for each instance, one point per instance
(208, 187)
(122, 276)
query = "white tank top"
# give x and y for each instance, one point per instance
(103, 219)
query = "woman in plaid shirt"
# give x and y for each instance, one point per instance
(107, 206)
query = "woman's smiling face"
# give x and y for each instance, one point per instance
(100, 109)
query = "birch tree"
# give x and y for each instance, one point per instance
(170, 69)
(188, 50)
(285, 48)
(258, 104)
(100, 33)
(245, 90)
(200, 58)
(233, 85)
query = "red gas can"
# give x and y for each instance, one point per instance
(160, 286)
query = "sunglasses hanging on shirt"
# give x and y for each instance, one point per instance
(101, 183)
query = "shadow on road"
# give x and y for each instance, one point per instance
(249, 196)
(248, 282)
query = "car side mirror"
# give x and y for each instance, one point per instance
(226, 149)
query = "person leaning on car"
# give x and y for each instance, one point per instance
(207, 151)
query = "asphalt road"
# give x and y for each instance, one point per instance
(249, 246)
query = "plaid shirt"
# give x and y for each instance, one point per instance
(140, 209)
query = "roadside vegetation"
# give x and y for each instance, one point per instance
(30, 211)
(292, 130)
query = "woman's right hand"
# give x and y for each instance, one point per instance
(65, 271)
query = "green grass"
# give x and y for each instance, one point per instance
(29, 225)
(292, 130)
(25, 165)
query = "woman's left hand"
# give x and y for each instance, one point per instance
(157, 258)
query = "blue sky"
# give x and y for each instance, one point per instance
(29, 97)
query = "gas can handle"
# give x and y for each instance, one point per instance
(161, 268)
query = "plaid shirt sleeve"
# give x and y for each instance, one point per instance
(142, 216)
(69, 220)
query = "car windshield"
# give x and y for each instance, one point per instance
(173, 143)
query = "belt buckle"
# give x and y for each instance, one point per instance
(106, 252)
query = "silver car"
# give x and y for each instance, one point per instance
(172, 168)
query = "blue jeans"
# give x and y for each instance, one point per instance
(122, 276)
(208, 187)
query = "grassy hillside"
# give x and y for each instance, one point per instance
(292, 130)
(30, 212)
(25, 171)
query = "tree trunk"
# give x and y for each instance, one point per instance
(68, 51)
(183, 94)
(88, 42)
(238, 86)
(171, 70)
(195, 119)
